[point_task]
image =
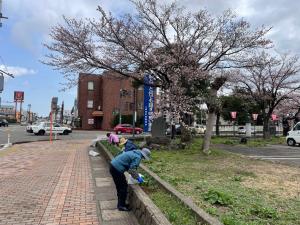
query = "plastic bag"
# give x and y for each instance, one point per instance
(131, 180)
(93, 153)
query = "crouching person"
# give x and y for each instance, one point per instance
(112, 138)
(127, 161)
(128, 145)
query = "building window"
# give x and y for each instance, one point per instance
(140, 106)
(90, 104)
(90, 85)
(131, 106)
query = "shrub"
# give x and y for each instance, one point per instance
(11, 120)
(126, 119)
(218, 197)
(264, 212)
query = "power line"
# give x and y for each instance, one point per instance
(5, 72)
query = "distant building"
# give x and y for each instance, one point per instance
(101, 97)
(7, 111)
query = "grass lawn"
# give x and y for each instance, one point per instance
(252, 142)
(236, 189)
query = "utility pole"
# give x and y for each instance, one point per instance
(134, 110)
(62, 113)
(21, 111)
(1, 16)
(28, 113)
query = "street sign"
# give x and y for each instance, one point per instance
(254, 116)
(90, 121)
(19, 96)
(148, 102)
(233, 115)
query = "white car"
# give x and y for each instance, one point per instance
(293, 136)
(242, 130)
(29, 127)
(199, 129)
(45, 127)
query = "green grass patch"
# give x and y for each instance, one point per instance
(114, 150)
(175, 211)
(227, 186)
(252, 142)
(216, 184)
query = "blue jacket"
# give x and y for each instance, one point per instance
(129, 146)
(127, 161)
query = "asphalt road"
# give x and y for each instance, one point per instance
(276, 153)
(18, 134)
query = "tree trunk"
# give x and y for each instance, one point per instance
(209, 130)
(212, 105)
(218, 124)
(266, 129)
(286, 126)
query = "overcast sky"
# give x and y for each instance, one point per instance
(30, 20)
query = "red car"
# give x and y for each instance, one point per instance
(127, 128)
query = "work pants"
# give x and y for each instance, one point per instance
(121, 185)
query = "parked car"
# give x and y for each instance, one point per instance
(127, 128)
(293, 136)
(242, 130)
(3, 123)
(23, 123)
(177, 129)
(199, 129)
(44, 128)
(29, 127)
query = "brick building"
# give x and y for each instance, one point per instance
(100, 99)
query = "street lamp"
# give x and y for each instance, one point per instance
(120, 111)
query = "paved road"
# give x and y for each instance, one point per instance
(276, 153)
(18, 134)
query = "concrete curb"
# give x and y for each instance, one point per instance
(146, 212)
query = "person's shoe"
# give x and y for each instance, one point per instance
(123, 208)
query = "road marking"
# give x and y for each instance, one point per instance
(283, 158)
(276, 157)
(273, 156)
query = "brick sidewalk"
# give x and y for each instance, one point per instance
(43, 183)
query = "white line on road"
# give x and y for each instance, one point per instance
(280, 158)
(274, 156)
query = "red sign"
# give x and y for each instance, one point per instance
(274, 117)
(19, 96)
(233, 115)
(254, 116)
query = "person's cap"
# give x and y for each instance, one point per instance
(146, 153)
(122, 141)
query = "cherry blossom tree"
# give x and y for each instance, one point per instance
(165, 41)
(289, 111)
(273, 81)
